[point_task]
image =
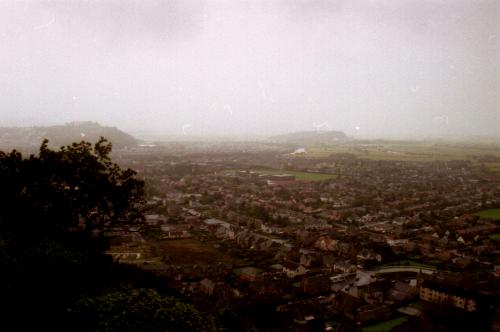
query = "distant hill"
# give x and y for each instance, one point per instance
(31, 137)
(310, 137)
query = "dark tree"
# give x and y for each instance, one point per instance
(54, 206)
(74, 189)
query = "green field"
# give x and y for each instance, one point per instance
(493, 167)
(495, 237)
(490, 214)
(385, 326)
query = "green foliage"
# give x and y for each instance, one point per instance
(139, 310)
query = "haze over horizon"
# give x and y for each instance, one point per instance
(395, 69)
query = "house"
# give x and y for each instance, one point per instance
(326, 243)
(402, 291)
(215, 223)
(369, 313)
(441, 294)
(312, 285)
(346, 304)
(328, 260)
(174, 232)
(310, 259)
(344, 267)
(367, 258)
(125, 256)
(292, 269)
(317, 226)
(176, 235)
(154, 219)
(249, 273)
(121, 236)
(225, 231)
(207, 286)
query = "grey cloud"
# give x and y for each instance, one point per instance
(388, 67)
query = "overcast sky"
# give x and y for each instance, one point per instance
(389, 68)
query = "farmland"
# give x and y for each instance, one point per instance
(408, 151)
(493, 167)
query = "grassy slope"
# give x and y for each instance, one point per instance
(181, 251)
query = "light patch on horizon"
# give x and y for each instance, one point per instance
(323, 127)
(185, 129)
(228, 109)
(45, 25)
(441, 120)
(415, 88)
(264, 94)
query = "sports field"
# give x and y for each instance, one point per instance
(495, 236)
(386, 326)
(490, 214)
(409, 264)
